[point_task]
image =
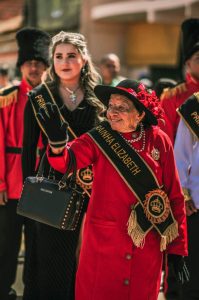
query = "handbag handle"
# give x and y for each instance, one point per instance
(72, 167)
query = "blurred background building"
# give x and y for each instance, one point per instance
(144, 34)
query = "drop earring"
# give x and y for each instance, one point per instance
(83, 71)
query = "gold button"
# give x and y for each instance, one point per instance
(126, 281)
(128, 256)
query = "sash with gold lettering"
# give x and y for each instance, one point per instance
(153, 207)
(38, 98)
(189, 112)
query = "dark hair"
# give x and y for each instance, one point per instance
(4, 70)
(163, 83)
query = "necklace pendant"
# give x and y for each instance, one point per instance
(134, 135)
(73, 98)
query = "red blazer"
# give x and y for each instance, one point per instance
(173, 98)
(12, 104)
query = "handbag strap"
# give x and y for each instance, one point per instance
(72, 168)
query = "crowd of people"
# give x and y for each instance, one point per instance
(141, 147)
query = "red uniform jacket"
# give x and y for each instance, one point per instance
(12, 104)
(110, 266)
(173, 98)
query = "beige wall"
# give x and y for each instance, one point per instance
(102, 37)
(138, 43)
(152, 44)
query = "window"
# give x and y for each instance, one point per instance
(58, 14)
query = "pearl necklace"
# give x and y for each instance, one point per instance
(139, 136)
(73, 96)
(135, 140)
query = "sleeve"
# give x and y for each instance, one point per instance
(183, 153)
(30, 141)
(2, 154)
(168, 105)
(8, 97)
(174, 191)
(84, 150)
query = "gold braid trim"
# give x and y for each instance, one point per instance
(197, 96)
(171, 92)
(169, 235)
(6, 100)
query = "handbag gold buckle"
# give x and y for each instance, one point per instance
(40, 178)
(61, 185)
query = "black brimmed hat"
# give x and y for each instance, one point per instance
(143, 99)
(33, 44)
(190, 37)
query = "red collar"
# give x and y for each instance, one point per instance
(192, 80)
(25, 86)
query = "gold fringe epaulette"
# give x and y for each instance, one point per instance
(8, 95)
(171, 92)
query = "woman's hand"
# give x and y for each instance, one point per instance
(55, 128)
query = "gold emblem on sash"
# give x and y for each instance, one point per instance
(156, 206)
(155, 154)
(85, 178)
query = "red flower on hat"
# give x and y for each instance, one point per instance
(151, 101)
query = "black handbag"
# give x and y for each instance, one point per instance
(55, 203)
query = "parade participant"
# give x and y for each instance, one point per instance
(187, 158)
(32, 61)
(4, 76)
(174, 97)
(110, 69)
(136, 210)
(173, 290)
(69, 84)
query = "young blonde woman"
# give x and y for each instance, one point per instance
(69, 84)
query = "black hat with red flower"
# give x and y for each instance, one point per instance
(143, 99)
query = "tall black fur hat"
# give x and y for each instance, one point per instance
(33, 44)
(190, 37)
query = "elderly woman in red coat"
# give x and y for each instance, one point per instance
(136, 211)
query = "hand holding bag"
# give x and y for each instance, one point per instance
(55, 203)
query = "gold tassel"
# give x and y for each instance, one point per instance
(132, 221)
(169, 235)
(134, 230)
(163, 243)
(8, 99)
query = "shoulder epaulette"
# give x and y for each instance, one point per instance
(171, 92)
(8, 95)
